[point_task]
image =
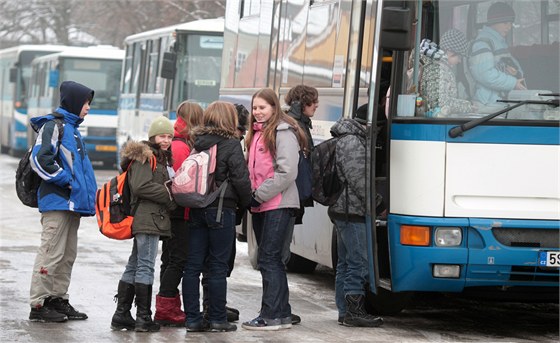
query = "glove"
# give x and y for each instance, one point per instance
(254, 202)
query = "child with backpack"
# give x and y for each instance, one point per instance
(212, 231)
(274, 140)
(153, 202)
(174, 249)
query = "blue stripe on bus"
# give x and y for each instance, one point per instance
(105, 112)
(480, 134)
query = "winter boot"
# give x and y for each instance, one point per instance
(144, 321)
(356, 315)
(168, 311)
(63, 306)
(122, 319)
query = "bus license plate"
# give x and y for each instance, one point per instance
(549, 258)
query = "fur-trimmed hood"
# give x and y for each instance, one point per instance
(206, 136)
(136, 151)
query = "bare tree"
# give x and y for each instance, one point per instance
(81, 22)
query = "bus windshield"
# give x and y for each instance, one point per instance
(476, 58)
(199, 63)
(103, 76)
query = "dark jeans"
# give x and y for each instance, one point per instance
(209, 251)
(271, 229)
(173, 258)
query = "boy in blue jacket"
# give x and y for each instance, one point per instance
(66, 194)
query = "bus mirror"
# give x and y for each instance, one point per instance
(53, 78)
(168, 67)
(13, 74)
(396, 27)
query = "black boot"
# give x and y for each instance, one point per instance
(144, 321)
(356, 315)
(122, 319)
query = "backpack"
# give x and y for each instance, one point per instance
(112, 206)
(194, 185)
(27, 180)
(304, 180)
(326, 187)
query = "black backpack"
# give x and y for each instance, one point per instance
(326, 186)
(27, 180)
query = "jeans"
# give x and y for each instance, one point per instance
(352, 266)
(173, 258)
(271, 229)
(209, 251)
(141, 263)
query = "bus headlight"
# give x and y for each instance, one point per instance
(448, 236)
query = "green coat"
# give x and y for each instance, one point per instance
(148, 188)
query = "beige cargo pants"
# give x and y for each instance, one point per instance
(55, 258)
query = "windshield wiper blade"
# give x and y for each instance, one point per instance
(457, 131)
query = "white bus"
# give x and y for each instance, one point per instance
(164, 67)
(473, 198)
(15, 70)
(97, 67)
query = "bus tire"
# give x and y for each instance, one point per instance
(387, 303)
(301, 265)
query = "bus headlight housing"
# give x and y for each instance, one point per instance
(448, 236)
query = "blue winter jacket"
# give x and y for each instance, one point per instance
(69, 183)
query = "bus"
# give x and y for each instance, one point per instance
(15, 70)
(97, 67)
(473, 198)
(164, 67)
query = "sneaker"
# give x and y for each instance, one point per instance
(295, 319)
(63, 306)
(286, 322)
(262, 324)
(45, 314)
(200, 326)
(222, 327)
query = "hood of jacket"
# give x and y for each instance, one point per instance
(348, 126)
(73, 96)
(206, 136)
(135, 151)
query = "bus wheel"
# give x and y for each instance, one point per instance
(386, 302)
(298, 264)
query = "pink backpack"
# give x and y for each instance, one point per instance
(193, 185)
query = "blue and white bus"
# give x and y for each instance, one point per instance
(99, 68)
(164, 67)
(15, 71)
(473, 198)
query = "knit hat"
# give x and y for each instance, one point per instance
(500, 12)
(455, 41)
(361, 114)
(161, 125)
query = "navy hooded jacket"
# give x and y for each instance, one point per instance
(64, 166)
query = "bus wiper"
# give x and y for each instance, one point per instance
(458, 130)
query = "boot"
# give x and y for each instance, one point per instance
(356, 315)
(144, 321)
(168, 311)
(122, 319)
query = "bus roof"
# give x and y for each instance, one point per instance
(203, 25)
(32, 47)
(93, 52)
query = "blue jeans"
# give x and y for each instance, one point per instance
(352, 266)
(271, 229)
(209, 250)
(141, 263)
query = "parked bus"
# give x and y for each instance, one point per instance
(473, 198)
(99, 68)
(164, 67)
(15, 70)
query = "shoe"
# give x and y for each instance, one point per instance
(200, 326)
(340, 320)
(232, 314)
(168, 313)
(144, 322)
(356, 315)
(262, 324)
(63, 306)
(222, 327)
(286, 322)
(122, 319)
(45, 314)
(296, 319)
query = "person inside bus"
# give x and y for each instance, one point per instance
(348, 216)
(274, 140)
(212, 233)
(495, 71)
(438, 85)
(174, 251)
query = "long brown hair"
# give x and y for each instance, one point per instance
(191, 113)
(278, 116)
(222, 115)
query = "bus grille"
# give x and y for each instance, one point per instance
(538, 238)
(538, 274)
